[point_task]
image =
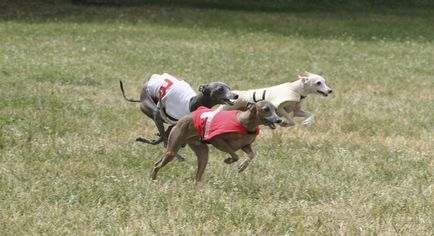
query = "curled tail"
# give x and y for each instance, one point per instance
(123, 94)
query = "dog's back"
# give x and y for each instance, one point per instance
(210, 123)
(274, 94)
(174, 94)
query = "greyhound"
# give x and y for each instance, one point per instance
(228, 131)
(287, 98)
(166, 99)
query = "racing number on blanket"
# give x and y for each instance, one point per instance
(166, 86)
(208, 116)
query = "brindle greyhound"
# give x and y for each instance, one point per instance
(186, 132)
(209, 96)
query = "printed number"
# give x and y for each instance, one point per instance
(166, 86)
(208, 114)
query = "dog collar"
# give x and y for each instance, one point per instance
(263, 96)
(252, 132)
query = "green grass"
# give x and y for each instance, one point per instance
(69, 164)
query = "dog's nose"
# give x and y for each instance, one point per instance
(278, 121)
(236, 96)
(330, 91)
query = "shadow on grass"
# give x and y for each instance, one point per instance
(360, 20)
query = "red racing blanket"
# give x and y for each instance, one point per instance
(209, 123)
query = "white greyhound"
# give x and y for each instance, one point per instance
(287, 97)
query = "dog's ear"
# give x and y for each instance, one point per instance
(251, 106)
(303, 78)
(203, 88)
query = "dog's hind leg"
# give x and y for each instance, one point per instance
(168, 130)
(175, 143)
(150, 109)
(168, 157)
(201, 151)
(160, 126)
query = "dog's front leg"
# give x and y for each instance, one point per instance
(240, 104)
(247, 149)
(298, 112)
(283, 113)
(224, 146)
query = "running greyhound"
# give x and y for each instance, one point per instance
(166, 99)
(287, 98)
(228, 131)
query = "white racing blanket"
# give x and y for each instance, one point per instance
(173, 96)
(275, 94)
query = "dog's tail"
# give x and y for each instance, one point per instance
(123, 94)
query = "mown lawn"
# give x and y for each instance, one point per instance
(69, 164)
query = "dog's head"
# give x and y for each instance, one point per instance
(265, 113)
(315, 84)
(218, 92)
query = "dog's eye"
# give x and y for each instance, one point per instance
(318, 83)
(221, 89)
(267, 109)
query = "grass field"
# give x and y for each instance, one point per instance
(69, 164)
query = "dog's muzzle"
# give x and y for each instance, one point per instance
(227, 101)
(271, 123)
(324, 93)
(230, 101)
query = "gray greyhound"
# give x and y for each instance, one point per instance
(228, 131)
(166, 99)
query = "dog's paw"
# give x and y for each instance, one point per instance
(149, 141)
(286, 123)
(141, 139)
(179, 158)
(230, 160)
(308, 121)
(244, 165)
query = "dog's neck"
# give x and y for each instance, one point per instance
(249, 120)
(298, 87)
(201, 100)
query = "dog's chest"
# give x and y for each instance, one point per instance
(288, 106)
(237, 141)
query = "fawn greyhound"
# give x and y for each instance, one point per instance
(287, 98)
(166, 99)
(228, 131)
